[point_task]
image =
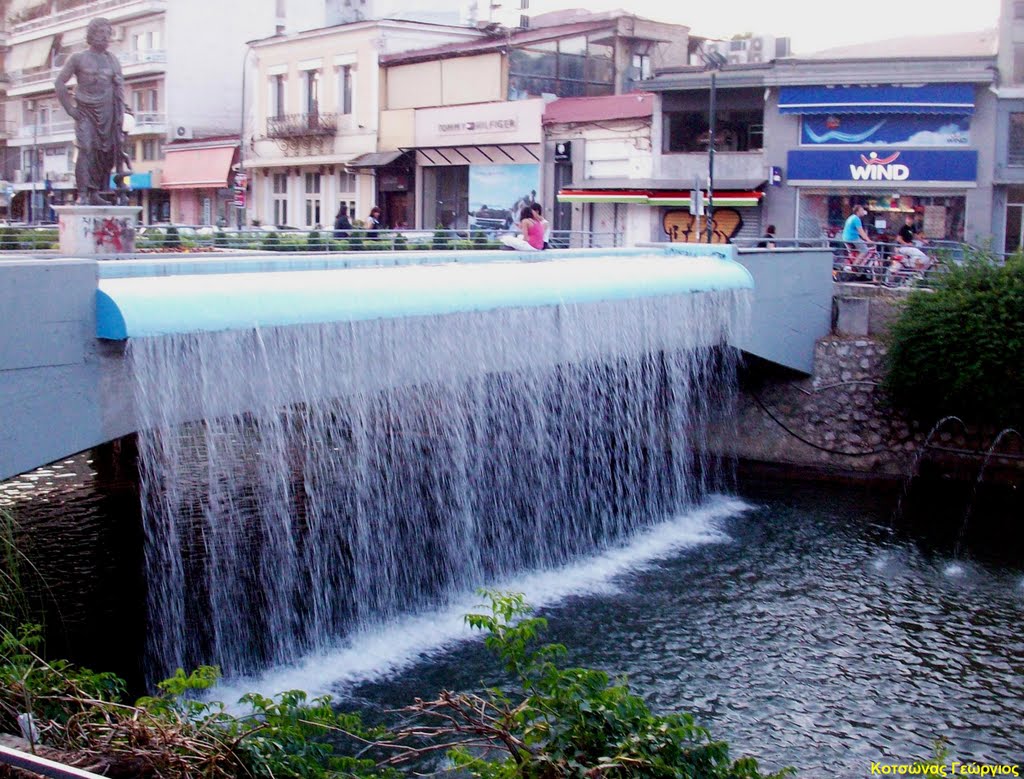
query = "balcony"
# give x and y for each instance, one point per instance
(34, 80)
(150, 123)
(45, 133)
(115, 10)
(302, 126)
(138, 63)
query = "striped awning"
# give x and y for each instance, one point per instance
(681, 197)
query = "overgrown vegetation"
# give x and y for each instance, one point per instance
(551, 722)
(960, 348)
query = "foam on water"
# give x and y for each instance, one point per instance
(378, 651)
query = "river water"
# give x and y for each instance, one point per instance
(790, 621)
(787, 618)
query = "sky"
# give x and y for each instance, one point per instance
(811, 24)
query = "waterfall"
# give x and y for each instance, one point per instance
(300, 481)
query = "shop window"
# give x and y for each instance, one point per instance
(687, 131)
(1015, 150)
(446, 197)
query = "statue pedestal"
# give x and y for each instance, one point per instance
(88, 231)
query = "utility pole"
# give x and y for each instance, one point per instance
(34, 167)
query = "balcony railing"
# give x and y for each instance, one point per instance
(24, 78)
(45, 129)
(302, 125)
(82, 10)
(144, 57)
(149, 121)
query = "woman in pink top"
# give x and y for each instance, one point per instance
(533, 229)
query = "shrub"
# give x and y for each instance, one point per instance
(9, 238)
(316, 242)
(271, 241)
(959, 349)
(220, 238)
(172, 239)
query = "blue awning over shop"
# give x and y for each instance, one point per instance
(136, 181)
(925, 99)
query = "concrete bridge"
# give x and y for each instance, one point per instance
(64, 381)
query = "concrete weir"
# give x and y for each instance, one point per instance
(66, 386)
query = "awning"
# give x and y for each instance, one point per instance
(926, 99)
(34, 54)
(477, 154)
(726, 197)
(374, 159)
(198, 168)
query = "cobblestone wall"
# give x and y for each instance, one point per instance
(838, 420)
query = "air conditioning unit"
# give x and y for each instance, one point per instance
(735, 59)
(756, 57)
(756, 44)
(182, 133)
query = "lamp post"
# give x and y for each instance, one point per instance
(34, 167)
(713, 61)
(240, 177)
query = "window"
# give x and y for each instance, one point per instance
(641, 66)
(572, 67)
(313, 203)
(311, 92)
(152, 149)
(347, 193)
(130, 148)
(345, 89)
(1018, 10)
(278, 84)
(280, 198)
(1015, 152)
(1018, 64)
(735, 130)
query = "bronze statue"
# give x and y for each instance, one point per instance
(98, 108)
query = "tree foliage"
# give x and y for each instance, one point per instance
(551, 722)
(959, 349)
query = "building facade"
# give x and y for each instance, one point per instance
(183, 66)
(472, 113)
(314, 137)
(809, 140)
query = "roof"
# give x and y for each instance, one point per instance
(980, 43)
(636, 105)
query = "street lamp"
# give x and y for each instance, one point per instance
(34, 167)
(241, 180)
(713, 61)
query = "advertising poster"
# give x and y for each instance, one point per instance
(876, 129)
(497, 193)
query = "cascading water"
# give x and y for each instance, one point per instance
(301, 481)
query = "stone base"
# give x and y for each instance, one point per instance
(88, 231)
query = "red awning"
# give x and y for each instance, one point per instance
(198, 168)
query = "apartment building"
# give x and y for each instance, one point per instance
(183, 66)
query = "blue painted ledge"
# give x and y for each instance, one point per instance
(154, 305)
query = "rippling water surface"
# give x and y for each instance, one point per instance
(808, 637)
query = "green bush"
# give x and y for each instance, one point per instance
(271, 241)
(960, 348)
(9, 239)
(316, 242)
(172, 239)
(220, 238)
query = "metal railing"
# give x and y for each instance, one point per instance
(81, 11)
(49, 128)
(190, 238)
(144, 57)
(302, 125)
(880, 264)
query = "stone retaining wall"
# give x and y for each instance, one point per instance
(838, 420)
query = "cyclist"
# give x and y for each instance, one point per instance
(854, 236)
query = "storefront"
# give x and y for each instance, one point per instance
(894, 149)
(197, 178)
(477, 165)
(932, 185)
(630, 212)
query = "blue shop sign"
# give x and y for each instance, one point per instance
(876, 165)
(136, 181)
